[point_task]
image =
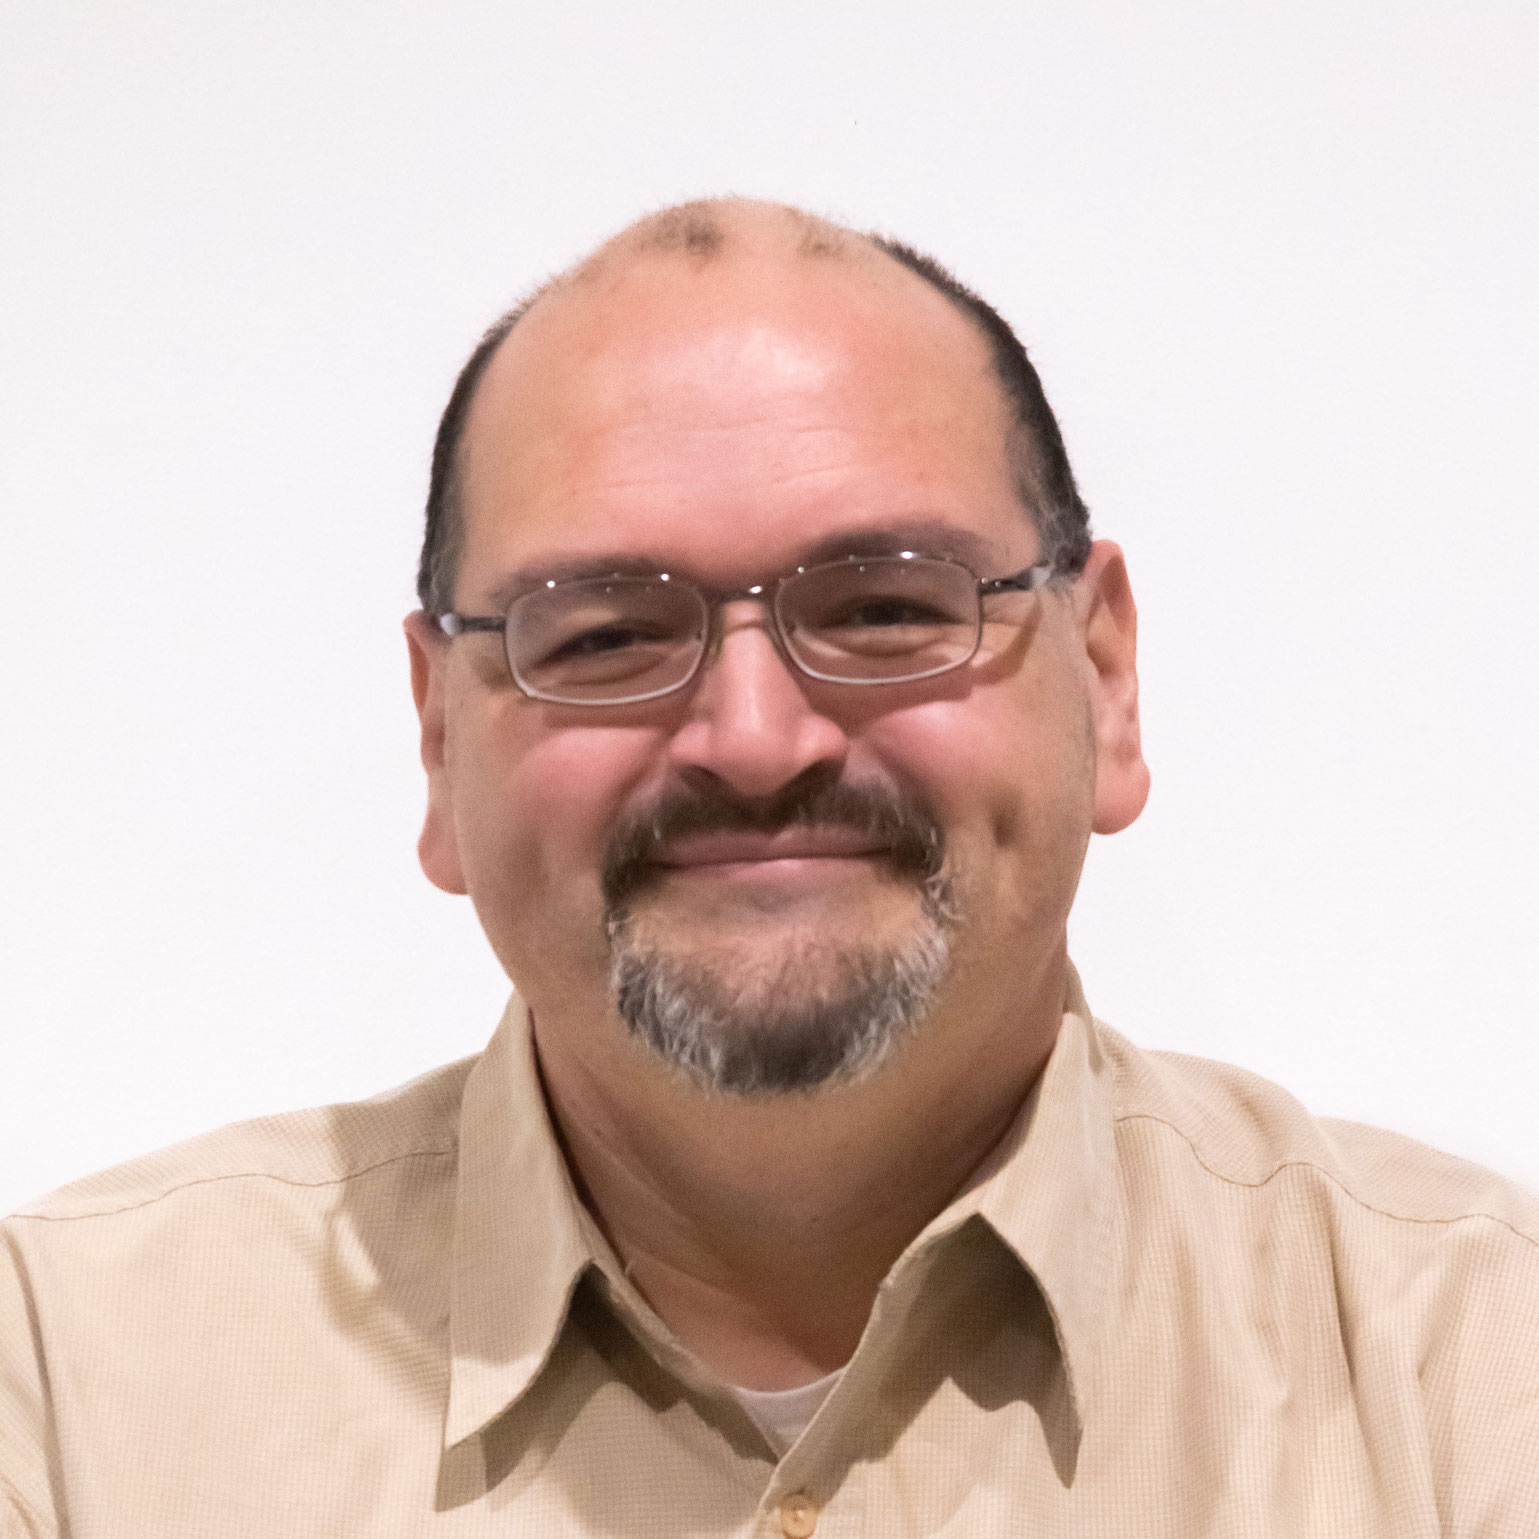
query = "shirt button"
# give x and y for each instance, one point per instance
(798, 1517)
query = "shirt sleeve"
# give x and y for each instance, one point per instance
(26, 1500)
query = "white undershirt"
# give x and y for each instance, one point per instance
(782, 1414)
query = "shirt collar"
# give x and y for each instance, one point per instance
(523, 1238)
(520, 1240)
(1048, 1190)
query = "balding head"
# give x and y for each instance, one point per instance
(714, 227)
(770, 235)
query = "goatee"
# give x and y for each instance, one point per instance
(817, 1014)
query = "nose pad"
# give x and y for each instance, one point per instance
(747, 613)
(752, 614)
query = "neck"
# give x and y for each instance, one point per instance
(759, 1229)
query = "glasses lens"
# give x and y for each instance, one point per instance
(882, 618)
(606, 640)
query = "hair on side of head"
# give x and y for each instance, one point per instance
(1044, 478)
(443, 531)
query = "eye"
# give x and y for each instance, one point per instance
(884, 611)
(599, 639)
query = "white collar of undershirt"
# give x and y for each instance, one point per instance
(782, 1414)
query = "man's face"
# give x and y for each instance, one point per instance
(728, 423)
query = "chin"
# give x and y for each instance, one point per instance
(739, 1015)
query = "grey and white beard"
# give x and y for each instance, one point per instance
(815, 1015)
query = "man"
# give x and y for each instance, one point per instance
(770, 689)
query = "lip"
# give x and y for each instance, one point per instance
(747, 849)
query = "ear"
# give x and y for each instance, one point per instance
(1109, 622)
(438, 848)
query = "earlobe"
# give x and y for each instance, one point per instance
(438, 846)
(1110, 621)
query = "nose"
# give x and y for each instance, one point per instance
(750, 723)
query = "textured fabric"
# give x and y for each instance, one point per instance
(1175, 1304)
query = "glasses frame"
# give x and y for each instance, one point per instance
(1028, 580)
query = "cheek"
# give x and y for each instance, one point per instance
(997, 765)
(537, 816)
(1012, 780)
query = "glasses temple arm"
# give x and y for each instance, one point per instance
(456, 625)
(1028, 581)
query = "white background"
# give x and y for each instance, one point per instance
(1276, 263)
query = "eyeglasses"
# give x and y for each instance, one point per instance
(863, 620)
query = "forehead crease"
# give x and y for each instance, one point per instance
(784, 432)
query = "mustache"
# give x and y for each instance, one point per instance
(910, 835)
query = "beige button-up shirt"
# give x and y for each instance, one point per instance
(1174, 1304)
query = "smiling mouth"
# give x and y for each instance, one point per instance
(813, 833)
(739, 850)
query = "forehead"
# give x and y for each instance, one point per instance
(732, 414)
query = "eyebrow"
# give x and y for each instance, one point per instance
(570, 569)
(924, 536)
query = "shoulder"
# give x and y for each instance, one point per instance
(266, 1251)
(314, 1149)
(1249, 1134)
